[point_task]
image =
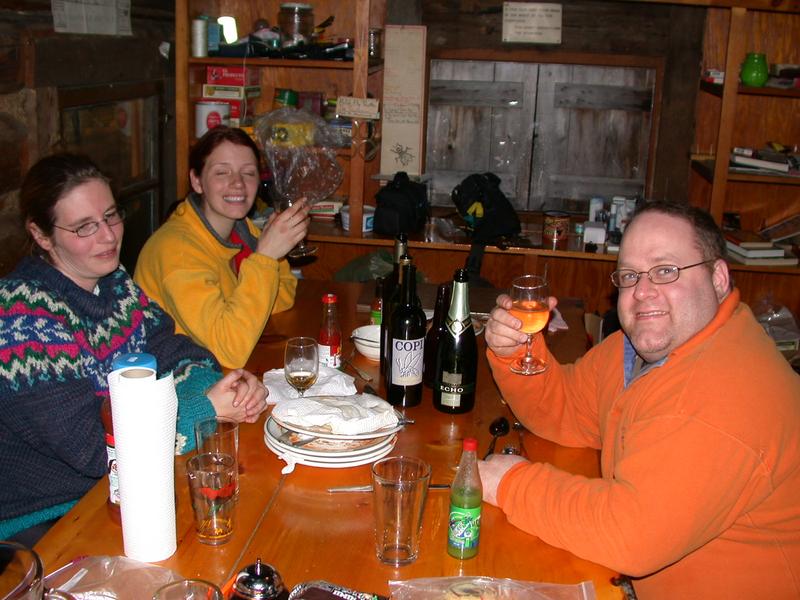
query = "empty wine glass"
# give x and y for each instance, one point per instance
(301, 363)
(529, 298)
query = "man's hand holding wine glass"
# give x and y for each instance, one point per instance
(503, 331)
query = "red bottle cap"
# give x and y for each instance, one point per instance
(329, 299)
(470, 444)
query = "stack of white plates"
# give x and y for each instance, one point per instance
(328, 450)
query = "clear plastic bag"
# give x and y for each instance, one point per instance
(300, 150)
(110, 578)
(485, 588)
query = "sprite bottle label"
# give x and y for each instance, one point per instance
(463, 531)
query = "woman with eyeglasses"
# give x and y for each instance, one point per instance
(209, 266)
(66, 312)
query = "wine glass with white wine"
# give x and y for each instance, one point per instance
(301, 363)
(529, 305)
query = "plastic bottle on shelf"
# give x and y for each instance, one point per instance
(466, 495)
(330, 334)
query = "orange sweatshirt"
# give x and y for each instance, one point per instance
(700, 488)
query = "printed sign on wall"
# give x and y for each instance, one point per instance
(532, 22)
(403, 99)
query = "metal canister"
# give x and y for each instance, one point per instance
(555, 231)
(296, 22)
(284, 97)
(259, 581)
(208, 115)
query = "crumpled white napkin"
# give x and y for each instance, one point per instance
(557, 322)
(350, 415)
(330, 382)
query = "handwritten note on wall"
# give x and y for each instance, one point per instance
(403, 99)
(105, 17)
(532, 22)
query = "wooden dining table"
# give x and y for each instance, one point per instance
(292, 522)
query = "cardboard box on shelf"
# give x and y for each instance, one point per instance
(239, 108)
(222, 75)
(230, 92)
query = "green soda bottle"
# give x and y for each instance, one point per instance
(465, 505)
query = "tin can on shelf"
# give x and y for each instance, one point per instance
(296, 22)
(555, 232)
(208, 115)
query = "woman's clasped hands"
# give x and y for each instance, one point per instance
(239, 396)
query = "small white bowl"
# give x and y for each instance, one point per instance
(367, 339)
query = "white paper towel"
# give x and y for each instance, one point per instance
(145, 411)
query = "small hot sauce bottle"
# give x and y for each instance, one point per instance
(330, 334)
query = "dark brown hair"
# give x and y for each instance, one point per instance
(49, 180)
(213, 138)
(708, 236)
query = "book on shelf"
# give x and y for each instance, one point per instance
(783, 230)
(769, 252)
(771, 164)
(747, 239)
(774, 261)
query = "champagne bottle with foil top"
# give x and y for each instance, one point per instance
(466, 495)
(457, 354)
(434, 334)
(405, 360)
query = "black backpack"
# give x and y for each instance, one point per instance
(487, 211)
(401, 206)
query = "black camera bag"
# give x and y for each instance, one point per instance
(485, 208)
(401, 206)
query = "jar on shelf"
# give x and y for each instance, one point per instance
(296, 22)
(755, 70)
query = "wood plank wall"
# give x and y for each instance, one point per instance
(589, 26)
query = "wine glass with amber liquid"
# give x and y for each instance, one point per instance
(529, 305)
(301, 363)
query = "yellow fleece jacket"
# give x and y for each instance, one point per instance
(186, 267)
(700, 456)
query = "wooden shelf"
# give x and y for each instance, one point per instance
(715, 89)
(293, 63)
(705, 167)
(356, 77)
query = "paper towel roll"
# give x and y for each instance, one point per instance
(145, 410)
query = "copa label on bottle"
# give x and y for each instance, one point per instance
(407, 361)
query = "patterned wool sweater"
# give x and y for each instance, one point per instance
(57, 343)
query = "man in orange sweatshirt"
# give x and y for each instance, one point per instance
(697, 417)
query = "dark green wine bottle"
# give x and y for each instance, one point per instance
(405, 360)
(457, 354)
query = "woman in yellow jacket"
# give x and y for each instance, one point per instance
(209, 266)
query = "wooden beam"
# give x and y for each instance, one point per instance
(789, 6)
